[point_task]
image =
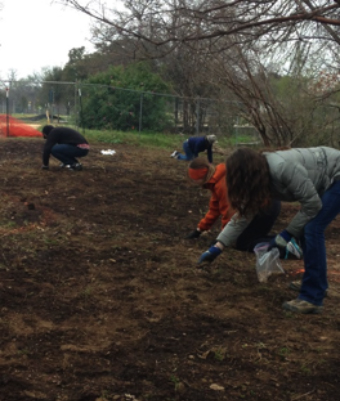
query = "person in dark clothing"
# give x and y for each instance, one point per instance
(66, 145)
(195, 145)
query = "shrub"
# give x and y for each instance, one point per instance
(113, 99)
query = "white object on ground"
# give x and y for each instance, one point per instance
(108, 152)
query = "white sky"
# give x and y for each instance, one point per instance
(39, 33)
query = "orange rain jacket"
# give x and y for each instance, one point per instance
(219, 204)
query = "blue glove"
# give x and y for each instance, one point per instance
(280, 241)
(210, 255)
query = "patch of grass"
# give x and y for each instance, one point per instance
(152, 139)
(284, 352)
(290, 315)
(143, 139)
(219, 354)
(175, 380)
(49, 241)
(23, 351)
(305, 369)
(106, 395)
(8, 224)
(87, 292)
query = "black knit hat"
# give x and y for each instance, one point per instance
(47, 129)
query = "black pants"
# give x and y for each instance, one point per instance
(259, 228)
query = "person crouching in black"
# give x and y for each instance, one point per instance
(66, 145)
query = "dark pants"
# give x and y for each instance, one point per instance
(259, 228)
(67, 154)
(314, 280)
(188, 153)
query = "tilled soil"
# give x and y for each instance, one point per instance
(101, 298)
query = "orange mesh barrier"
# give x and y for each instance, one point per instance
(16, 128)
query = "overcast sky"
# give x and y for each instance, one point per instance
(39, 33)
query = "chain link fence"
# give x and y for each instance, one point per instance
(103, 107)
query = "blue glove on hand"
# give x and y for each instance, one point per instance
(210, 255)
(280, 241)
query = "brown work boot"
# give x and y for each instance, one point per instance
(300, 306)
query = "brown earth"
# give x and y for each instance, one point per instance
(101, 299)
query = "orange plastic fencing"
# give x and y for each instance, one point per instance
(16, 128)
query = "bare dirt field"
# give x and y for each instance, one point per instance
(100, 297)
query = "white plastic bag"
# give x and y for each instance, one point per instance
(109, 152)
(267, 262)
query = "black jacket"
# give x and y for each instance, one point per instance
(61, 135)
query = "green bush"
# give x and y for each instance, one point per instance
(106, 106)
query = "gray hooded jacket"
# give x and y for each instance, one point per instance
(297, 175)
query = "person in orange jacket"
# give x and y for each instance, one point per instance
(206, 175)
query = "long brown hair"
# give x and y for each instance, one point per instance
(248, 180)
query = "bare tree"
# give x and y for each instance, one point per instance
(233, 43)
(12, 75)
(170, 22)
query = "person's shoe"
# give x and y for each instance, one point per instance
(293, 248)
(73, 167)
(301, 306)
(174, 153)
(76, 166)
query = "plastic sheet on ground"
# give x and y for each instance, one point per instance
(109, 152)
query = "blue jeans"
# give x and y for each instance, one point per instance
(314, 281)
(67, 153)
(188, 153)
